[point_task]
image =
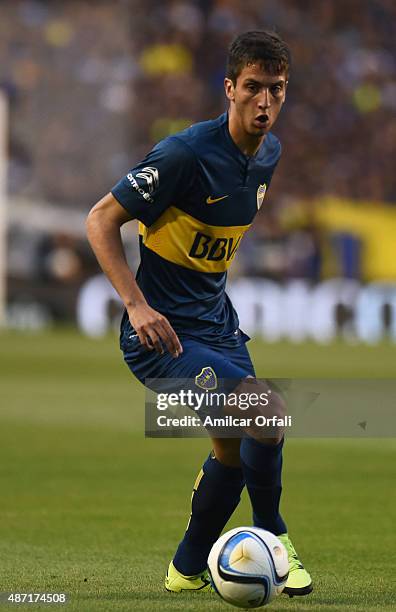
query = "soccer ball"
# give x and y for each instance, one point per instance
(248, 566)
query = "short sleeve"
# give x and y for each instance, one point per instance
(157, 182)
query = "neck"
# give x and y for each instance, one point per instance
(248, 144)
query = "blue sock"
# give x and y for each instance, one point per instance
(262, 469)
(216, 494)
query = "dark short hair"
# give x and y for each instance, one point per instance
(259, 46)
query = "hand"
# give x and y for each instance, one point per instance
(152, 328)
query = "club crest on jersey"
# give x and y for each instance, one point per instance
(206, 379)
(260, 194)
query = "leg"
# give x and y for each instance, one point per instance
(261, 460)
(262, 469)
(218, 487)
(216, 494)
(261, 457)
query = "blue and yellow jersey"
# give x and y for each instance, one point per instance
(195, 195)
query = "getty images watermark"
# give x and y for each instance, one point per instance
(339, 408)
(224, 408)
(204, 403)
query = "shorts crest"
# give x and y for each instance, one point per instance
(206, 379)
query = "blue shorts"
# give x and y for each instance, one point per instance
(200, 362)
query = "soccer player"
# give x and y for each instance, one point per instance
(195, 195)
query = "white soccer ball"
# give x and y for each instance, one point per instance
(248, 566)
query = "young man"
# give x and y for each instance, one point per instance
(195, 194)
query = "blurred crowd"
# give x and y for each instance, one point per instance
(94, 84)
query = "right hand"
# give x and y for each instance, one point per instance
(153, 329)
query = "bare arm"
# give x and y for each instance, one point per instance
(103, 231)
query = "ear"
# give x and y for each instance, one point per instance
(229, 89)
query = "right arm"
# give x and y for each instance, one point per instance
(103, 230)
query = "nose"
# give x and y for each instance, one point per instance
(265, 100)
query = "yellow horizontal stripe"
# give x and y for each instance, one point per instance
(188, 242)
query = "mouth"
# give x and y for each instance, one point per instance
(262, 120)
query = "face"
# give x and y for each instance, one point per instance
(256, 99)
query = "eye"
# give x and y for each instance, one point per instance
(252, 87)
(276, 90)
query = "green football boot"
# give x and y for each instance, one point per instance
(175, 582)
(299, 581)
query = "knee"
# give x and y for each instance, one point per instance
(271, 430)
(275, 434)
(277, 406)
(227, 452)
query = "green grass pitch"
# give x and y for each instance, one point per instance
(90, 507)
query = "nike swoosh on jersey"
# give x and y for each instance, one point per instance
(210, 200)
